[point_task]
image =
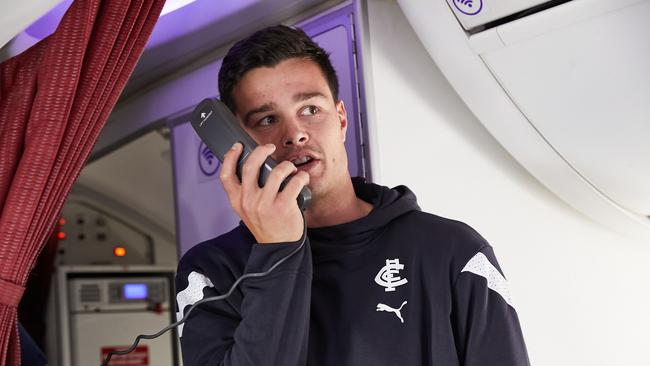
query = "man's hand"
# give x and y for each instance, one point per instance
(272, 216)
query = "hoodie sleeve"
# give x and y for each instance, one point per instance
(486, 326)
(264, 322)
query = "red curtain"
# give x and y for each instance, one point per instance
(54, 100)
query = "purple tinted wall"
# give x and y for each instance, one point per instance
(202, 208)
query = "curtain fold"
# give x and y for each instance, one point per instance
(54, 100)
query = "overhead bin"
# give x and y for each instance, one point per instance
(564, 89)
(585, 87)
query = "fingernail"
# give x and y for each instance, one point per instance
(272, 146)
(234, 146)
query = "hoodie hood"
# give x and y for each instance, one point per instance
(388, 204)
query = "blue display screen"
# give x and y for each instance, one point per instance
(134, 291)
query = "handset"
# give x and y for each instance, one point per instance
(219, 130)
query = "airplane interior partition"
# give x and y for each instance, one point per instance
(202, 208)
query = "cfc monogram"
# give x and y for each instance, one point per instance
(387, 275)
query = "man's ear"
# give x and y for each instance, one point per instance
(343, 117)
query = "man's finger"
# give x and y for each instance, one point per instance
(228, 174)
(295, 185)
(275, 179)
(251, 170)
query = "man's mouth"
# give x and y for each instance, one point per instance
(302, 161)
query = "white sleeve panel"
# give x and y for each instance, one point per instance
(196, 282)
(480, 265)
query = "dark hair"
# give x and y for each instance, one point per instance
(267, 48)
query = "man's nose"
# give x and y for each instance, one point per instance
(295, 134)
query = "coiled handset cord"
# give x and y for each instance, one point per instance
(212, 298)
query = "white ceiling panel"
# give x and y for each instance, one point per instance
(586, 88)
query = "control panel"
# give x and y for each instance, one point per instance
(111, 294)
(90, 236)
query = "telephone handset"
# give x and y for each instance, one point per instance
(219, 130)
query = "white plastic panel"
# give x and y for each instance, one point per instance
(567, 14)
(458, 57)
(473, 13)
(92, 332)
(585, 88)
(16, 16)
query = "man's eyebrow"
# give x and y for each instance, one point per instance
(299, 97)
(261, 109)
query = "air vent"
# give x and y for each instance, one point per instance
(89, 293)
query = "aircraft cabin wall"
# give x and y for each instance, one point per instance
(580, 289)
(123, 198)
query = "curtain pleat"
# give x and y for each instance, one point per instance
(54, 100)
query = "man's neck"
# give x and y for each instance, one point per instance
(337, 207)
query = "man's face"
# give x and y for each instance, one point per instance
(291, 106)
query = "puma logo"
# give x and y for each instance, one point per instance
(398, 312)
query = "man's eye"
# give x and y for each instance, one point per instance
(266, 121)
(309, 110)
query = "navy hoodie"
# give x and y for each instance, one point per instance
(397, 287)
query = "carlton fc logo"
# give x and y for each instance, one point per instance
(389, 277)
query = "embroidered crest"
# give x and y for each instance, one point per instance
(389, 277)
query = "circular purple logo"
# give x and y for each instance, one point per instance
(208, 162)
(469, 7)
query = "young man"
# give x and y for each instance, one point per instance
(376, 282)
